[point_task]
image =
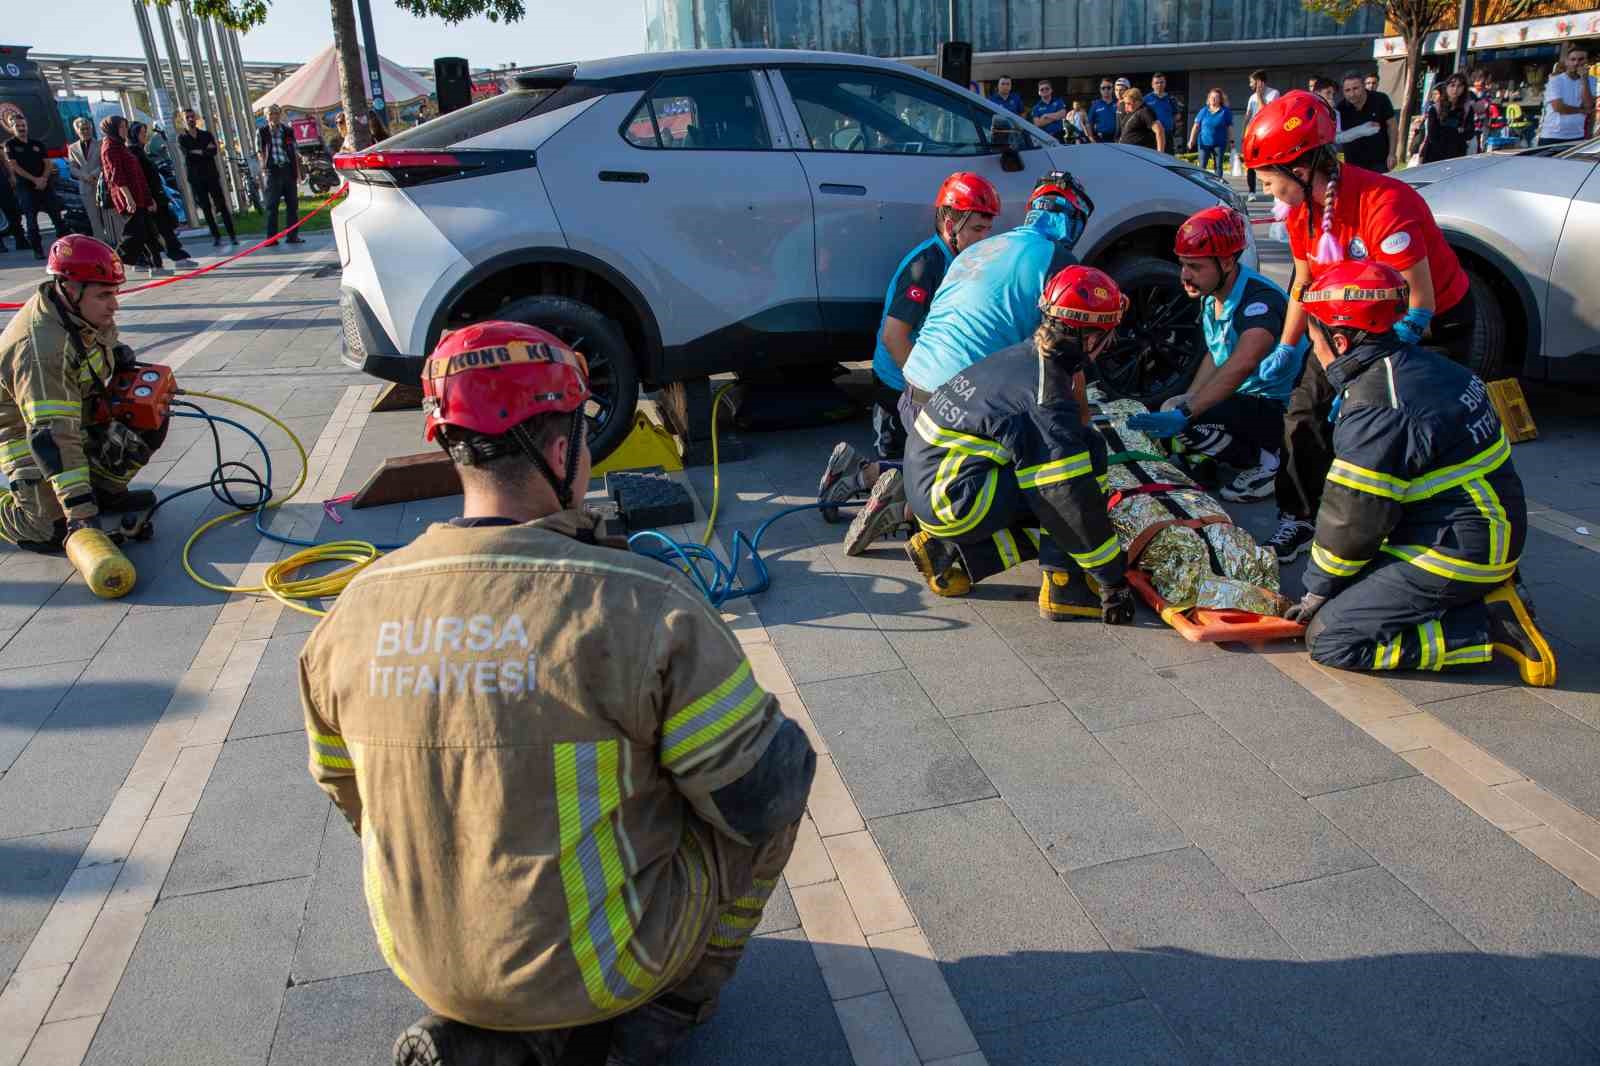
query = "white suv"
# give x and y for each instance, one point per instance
(676, 215)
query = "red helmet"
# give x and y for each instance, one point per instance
(84, 259)
(1358, 294)
(1061, 183)
(1287, 129)
(1084, 297)
(966, 191)
(491, 376)
(1216, 231)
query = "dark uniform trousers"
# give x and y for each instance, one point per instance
(1399, 617)
(1008, 536)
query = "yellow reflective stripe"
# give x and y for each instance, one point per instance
(952, 524)
(329, 750)
(1034, 535)
(1441, 565)
(1386, 656)
(740, 919)
(1099, 556)
(1471, 653)
(1430, 640)
(100, 473)
(690, 730)
(13, 450)
(1361, 479)
(1007, 545)
(1494, 515)
(70, 479)
(1448, 477)
(41, 410)
(372, 888)
(1037, 477)
(1335, 565)
(1103, 481)
(940, 437)
(592, 875)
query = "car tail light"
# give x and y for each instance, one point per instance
(404, 167)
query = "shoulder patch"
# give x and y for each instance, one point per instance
(1255, 310)
(917, 294)
(1395, 243)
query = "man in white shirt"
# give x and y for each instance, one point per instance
(1568, 101)
(1261, 94)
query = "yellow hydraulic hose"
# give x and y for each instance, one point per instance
(716, 465)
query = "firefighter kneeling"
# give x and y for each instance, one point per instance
(65, 464)
(1423, 518)
(573, 797)
(1001, 465)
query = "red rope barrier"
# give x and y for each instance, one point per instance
(340, 191)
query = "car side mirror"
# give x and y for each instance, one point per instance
(1003, 139)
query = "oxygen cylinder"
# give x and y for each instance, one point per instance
(107, 571)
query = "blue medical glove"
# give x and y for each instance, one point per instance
(1160, 424)
(1277, 363)
(1411, 328)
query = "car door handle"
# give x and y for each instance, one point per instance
(843, 190)
(634, 177)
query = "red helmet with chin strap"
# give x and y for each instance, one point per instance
(1287, 129)
(492, 376)
(1083, 297)
(966, 191)
(1358, 294)
(1215, 231)
(81, 258)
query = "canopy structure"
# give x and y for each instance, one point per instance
(315, 87)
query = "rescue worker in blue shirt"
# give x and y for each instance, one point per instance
(1165, 106)
(1103, 114)
(1233, 411)
(1002, 465)
(964, 213)
(1423, 519)
(1006, 96)
(1048, 113)
(989, 300)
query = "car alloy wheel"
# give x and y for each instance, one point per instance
(1159, 343)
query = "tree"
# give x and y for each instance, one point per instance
(242, 15)
(1412, 21)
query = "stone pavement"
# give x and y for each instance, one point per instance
(1029, 842)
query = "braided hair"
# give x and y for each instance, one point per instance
(1325, 159)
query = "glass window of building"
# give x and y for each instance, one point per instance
(878, 17)
(985, 23)
(861, 111)
(798, 23)
(1094, 22)
(706, 111)
(919, 27)
(1027, 24)
(1222, 24)
(841, 25)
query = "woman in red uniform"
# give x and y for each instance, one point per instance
(1340, 212)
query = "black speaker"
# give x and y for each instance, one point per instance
(955, 62)
(452, 80)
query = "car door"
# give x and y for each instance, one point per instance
(1572, 311)
(875, 146)
(688, 192)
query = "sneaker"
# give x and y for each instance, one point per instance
(841, 480)
(185, 262)
(938, 564)
(216, 240)
(883, 513)
(1250, 485)
(159, 272)
(1061, 599)
(438, 1041)
(1514, 635)
(1292, 539)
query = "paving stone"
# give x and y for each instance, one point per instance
(1404, 985)
(1128, 1034)
(207, 980)
(1232, 990)
(1160, 646)
(1583, 1016)
(272, 703)
(261, 819)
(351, 1020)
(1578, 691)
(1496, 893)
(1077, 803)
(70, 625)
(337, 937)
(1426, 688)
(779, 914)
(874, 1031)
(28, 696)
(31, 580)
(934, 1020)
(1014, 945)
(1302, 739)
(1253, 826)
(986, 676)
(1546, 744)
(776, 1010)
(33, 871)
(895, 751)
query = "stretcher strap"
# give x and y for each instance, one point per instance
(1118, 458)
(1142, 541)
(1152, 488)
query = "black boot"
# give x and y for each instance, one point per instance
(47, 547)
(439, 1041)
(646, 1036)
(122, 501)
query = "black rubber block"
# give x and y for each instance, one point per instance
(649, 500)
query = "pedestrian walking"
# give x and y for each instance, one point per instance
(1006, 96)
(164, 220)
(1371, 132)
(199, 149)
(34, 175)
(1448, 125)
(1569, 100)
(1212, 131)
(130, 196)
(281, 167)
(1261, 94)
(1103, 113)
(1139, 124)
(83, 161)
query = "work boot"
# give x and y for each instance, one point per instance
(939, 564)
(1061, 598)
(881, 515)
(646, 1036)
(123, 501)
(841, 480)
(439, 1041)
(1514, 635)
(53, 546)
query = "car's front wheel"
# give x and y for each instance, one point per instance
(1159, 344)
(613, 371)
(1488, 357)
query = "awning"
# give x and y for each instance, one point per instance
(1498, 35)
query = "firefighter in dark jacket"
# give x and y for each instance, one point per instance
(1423, 518)
(1001, 465)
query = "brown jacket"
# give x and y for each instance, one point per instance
(526, 730)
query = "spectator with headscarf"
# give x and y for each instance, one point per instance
(165, 222)
(130, 196)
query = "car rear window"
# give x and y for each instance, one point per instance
(485, 116)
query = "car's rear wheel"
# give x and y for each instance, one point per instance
(1488, 356)
(613, 371)
(1159, 344)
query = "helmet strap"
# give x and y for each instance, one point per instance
(562, 485)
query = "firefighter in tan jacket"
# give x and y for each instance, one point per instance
(572, 796)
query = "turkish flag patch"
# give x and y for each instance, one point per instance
(916, 294)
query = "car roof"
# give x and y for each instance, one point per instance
(701, 59)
